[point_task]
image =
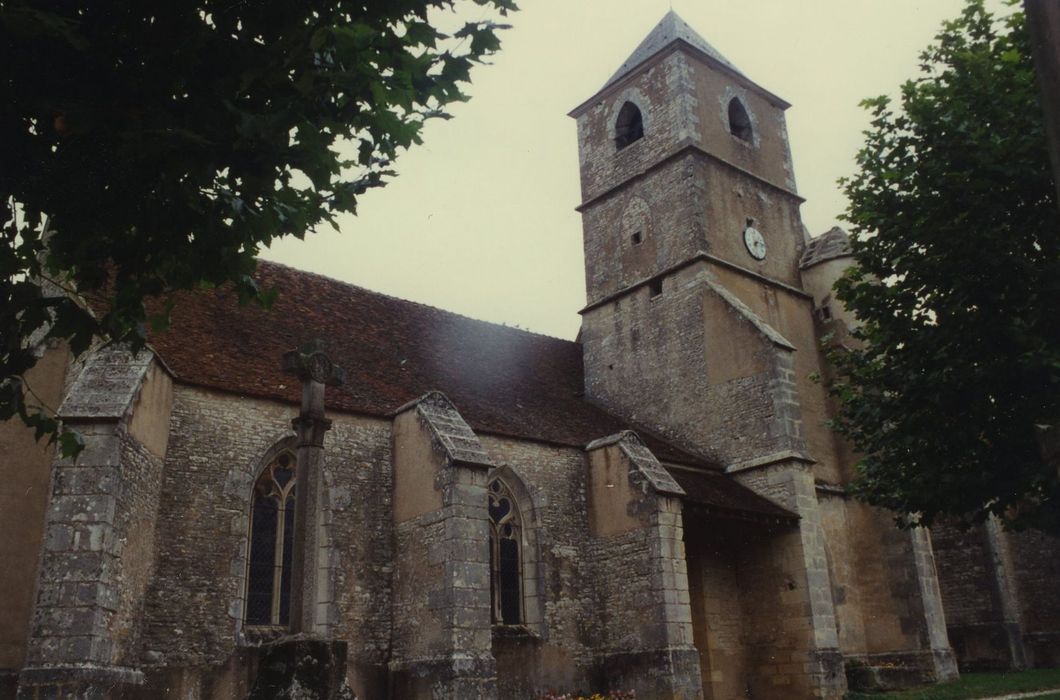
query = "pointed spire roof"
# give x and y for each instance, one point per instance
(670, 29)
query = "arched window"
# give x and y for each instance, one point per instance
(268, 599)
(629, 127)
(506, 565)
(739, 120)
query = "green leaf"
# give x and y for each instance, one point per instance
(174, 143)
(955, 234)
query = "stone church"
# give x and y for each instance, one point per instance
(451, 509)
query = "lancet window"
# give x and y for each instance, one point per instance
(629, 127)
(739, 120)
(271, 543)
(506, 567)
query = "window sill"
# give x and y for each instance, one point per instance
(514, 632)
(257, 635)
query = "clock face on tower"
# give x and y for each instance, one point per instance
(756, 244)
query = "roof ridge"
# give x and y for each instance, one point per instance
(437, 309)
(506, 381)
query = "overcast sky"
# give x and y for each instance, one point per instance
(481, 218)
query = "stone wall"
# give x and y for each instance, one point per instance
(973, 604)
(98, 558)
(785, 658)
(999, 591)
(357, 462)
(719, 612)
(682, 103)
(442, 646)
(728, 198)
(768, 155)
(557, 653)
(645, 622)
(693, 364)
(667, 125)
(788, 575)
(134, 532)
(888, 606)
(645, 639)
(98, 552)
(631, 346)
(195, 603)
(663, 208)
(1036, 559)
(790, 314)
(888, 582)
(844, 571)
(26, 466)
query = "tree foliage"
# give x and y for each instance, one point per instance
(153, 147)
(956, 239)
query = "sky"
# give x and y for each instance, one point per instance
(481, 220)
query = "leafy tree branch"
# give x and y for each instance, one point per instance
(165, 143)
(956, 238)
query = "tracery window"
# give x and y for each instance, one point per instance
(268, 599)
(506, 590)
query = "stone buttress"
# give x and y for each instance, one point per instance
(635, 519)
(442, 641)
(98, 555)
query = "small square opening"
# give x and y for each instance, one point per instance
(655, 288)
(636, 238)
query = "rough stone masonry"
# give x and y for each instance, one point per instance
(493, 514)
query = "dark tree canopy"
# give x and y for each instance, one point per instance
(150, 147)
(956, 239)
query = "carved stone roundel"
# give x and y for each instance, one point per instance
(319, 367)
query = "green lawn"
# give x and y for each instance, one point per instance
(978, 685)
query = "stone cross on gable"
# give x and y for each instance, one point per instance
(316, 371)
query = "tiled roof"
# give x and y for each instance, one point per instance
(835, 243)
(720, 495)
(503, 381)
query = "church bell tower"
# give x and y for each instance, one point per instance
(692, 240)
(700, 326)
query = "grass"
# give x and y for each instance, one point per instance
(978, 685)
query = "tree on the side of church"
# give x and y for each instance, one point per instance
(956, 284)
(153, 147)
